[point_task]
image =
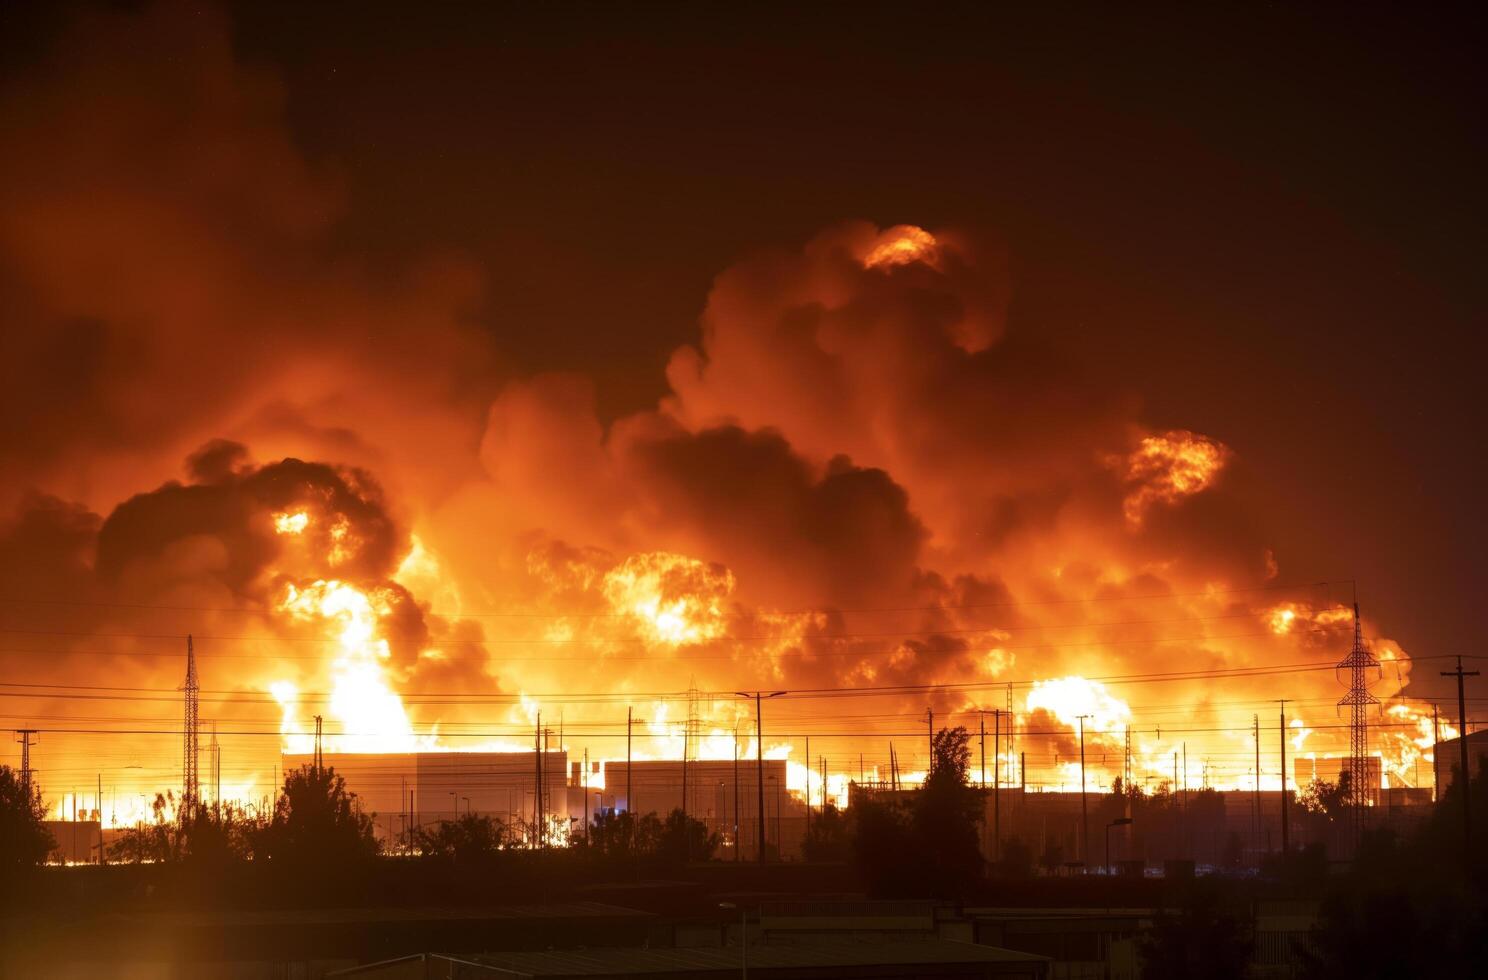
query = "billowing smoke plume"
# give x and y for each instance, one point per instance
(867, 472)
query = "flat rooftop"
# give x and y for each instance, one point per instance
(931, 957)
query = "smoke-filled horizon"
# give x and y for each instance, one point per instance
(872, 474)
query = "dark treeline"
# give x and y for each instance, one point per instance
(1410, 904)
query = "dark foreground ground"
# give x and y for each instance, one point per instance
(250, 922)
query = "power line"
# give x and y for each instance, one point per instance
(462, 614)
(241, 697)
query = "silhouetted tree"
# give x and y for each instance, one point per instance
(472, 838)
(219, 835)
(1015, 860)
(24, 839)
(884, 849)
(945, 817)
(1204, 939)
(1409, 907)
(215, 836)
(624, 835)
(317, 822)
(684, 838)
(927, 847)
(150, 842)
(1323, 797)
(829, 838)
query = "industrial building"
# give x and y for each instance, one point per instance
(416, 789)
(75, 841)
(723, 794)
(1449, 757)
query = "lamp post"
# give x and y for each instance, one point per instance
(456, 803)
(759, 761)
(467, 807)
(743, 936)
(1118, 822)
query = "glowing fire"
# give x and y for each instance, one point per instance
(1067, 698)
(291, 523)
(675, 599)
(1288, 615)
(1403, 752)
(902, 245)
(370, 712)
(1168, 467)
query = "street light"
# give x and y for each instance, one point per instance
(743, 935)
(1118, 822)
(456, 804)
(759, 761)
(467, 806)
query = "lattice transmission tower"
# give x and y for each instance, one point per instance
(1359, 662)
(190, 786)
(26, 736)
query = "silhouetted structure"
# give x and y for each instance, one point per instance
(711, 798)
(190, 787)
(1359, 662)
(405, 790)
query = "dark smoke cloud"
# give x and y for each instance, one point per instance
(871, 470)
(169, 273)
(197, 549)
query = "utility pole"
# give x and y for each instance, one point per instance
(1126, 763)
(982, 734)
(537, 814)
(1285, 838)
(216, 773)
(930, 743)
(759, 762)
(629, 784)
(808, 786)
(1435, 741)
(1187, 837)
(737, 849)
(319, 759)
(693, 724)
(1084, 808)
(1466, 778)
(1012, 722)
(586, 794)
(759, 770)
(996, 784)
(1256, 831)
(1177, 813)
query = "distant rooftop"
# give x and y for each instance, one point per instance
(824, 960)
